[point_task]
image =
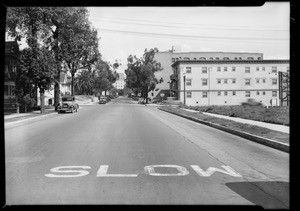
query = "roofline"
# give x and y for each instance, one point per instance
(170, 51)
(230, 61)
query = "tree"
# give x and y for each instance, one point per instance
(140, 73)
(80, 46)
(39, 66)
(63, 30)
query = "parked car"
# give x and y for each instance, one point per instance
(68, 103)
(251, 102)
(103, 100)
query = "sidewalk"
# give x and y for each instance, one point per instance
(276, 127)
(268, 137)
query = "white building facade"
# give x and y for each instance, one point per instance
(120, 83)
(167, 58)
(228, 81)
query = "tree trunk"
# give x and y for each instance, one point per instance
(42, 98)
(147, 89)
(72, 84)
(57, 91)
(35, 94)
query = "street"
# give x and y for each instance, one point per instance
(125, 153)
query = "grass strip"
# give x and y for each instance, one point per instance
(252, 129)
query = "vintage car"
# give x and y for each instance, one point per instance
(68, 104)
(102, 100)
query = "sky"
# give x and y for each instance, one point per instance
(125, 31)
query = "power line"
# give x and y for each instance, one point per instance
(184, 25)
(194, 36)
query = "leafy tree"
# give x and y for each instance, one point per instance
(140, 73)
(84, 81)
(39, 66)
(80, 48)
(63, 30)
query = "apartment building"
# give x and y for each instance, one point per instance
(120, 83)
(167, 58)
(229, 80)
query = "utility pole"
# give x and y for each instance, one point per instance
(184, 89)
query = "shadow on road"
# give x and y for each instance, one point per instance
(269, 195)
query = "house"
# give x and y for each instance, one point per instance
(65, 89)
(10, 72)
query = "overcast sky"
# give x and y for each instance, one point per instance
(129, 30)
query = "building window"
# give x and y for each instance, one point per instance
(235, 58)
(257, 68)
(247, 69)
(189, 82)
(219, 69)
(250, 58)
(186, 58)
(225, 81)
(240, 58)
(211, 58)
(247, 94)
(274, 69)
(173, 59)
(264, 93)
(204, 82)
(217, 58)
(195, 58)
(274, 93)
(263, 69)
(247, 81)
(218, 81)
(259, 58)
(257, 80)
(188, 70)
(225, 93)
(233, 80)
(264, 80)
(202, 58)
(257, 93)
(225, 58)
(204, 94)
(233, 93)
(188, 94)
(219, 93)
(233, 69)
(204, 69)
(225, 69)
(288, 69)
(274, 81)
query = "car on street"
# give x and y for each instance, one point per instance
(68, 103)
(103, 100)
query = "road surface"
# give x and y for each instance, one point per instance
(126, 153)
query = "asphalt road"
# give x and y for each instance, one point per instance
(126, 153)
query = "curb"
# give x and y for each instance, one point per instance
(17, 123)
(258, 139)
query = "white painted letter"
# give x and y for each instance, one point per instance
(212, 170)
(102, 172)
(80, 173)
(150, 170)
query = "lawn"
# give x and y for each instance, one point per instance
(252, 129)
(275, 115)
